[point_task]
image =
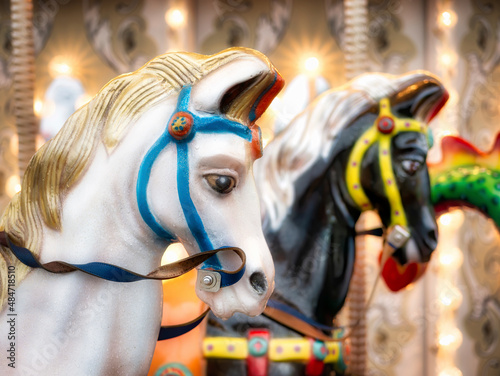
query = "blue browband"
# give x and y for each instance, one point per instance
(182, 127)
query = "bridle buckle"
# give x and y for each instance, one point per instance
(398, 237)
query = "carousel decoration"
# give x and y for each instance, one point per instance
(124, 178)
(467, 177)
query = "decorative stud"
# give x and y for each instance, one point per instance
(180, 125)
(386, 124)
(258, 346)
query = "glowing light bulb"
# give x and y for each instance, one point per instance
(454, 219)
(12, 186)
(445, 219)
(175, 18)
(450, 339)
(447, 59)
(450, 257)
(59, 66)
(448, 18)
(311, 64)
(450, 297)
(450, 371)
(38, 107)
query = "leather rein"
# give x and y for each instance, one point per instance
(115, 273)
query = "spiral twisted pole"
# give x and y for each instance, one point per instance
(22, 69)
(355, 37)
(356, 63)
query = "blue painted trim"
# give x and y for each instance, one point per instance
(183, 100)
(221, 125)
(193, 219)
(142, 186)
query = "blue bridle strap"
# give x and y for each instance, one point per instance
(190, 213)
(142, 186)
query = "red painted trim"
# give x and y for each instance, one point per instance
(268, 97)
(258, 366)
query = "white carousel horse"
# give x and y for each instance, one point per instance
(160, 155)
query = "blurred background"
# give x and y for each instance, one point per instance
(446, 324)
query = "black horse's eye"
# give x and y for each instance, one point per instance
(411, 166)
(221, 183)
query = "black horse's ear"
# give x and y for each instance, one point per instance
(422, 99)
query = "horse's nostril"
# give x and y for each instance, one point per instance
(259, 282)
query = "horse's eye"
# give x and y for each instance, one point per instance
(221, 183)
(411, 166)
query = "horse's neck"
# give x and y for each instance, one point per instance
(98, 224)
(100, 220)
(314, 251)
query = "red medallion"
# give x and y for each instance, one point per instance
(180, 125)
(385, 124)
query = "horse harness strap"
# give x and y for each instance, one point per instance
(294, 320)
(385, 127)
(117, 274)
(258, 349)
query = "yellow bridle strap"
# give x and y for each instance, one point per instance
(279, 350)
(386, 126)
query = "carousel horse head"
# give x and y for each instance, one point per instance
(174, 143)
(386, 168)
(358, 147)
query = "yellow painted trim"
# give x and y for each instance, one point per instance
(369, 137)
(334, 352)
(353, 170)
(398, 216)
(288, 349)
(225, 347)
(280, 349)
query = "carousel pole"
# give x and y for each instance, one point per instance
(355, 47)
(22, 69)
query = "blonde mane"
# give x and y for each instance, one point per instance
(59, 164)
(312, 135)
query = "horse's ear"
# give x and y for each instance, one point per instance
(219, 90)
(422, 98)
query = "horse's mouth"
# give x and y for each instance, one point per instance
(413, 251)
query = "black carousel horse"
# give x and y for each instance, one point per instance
(362, 146)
